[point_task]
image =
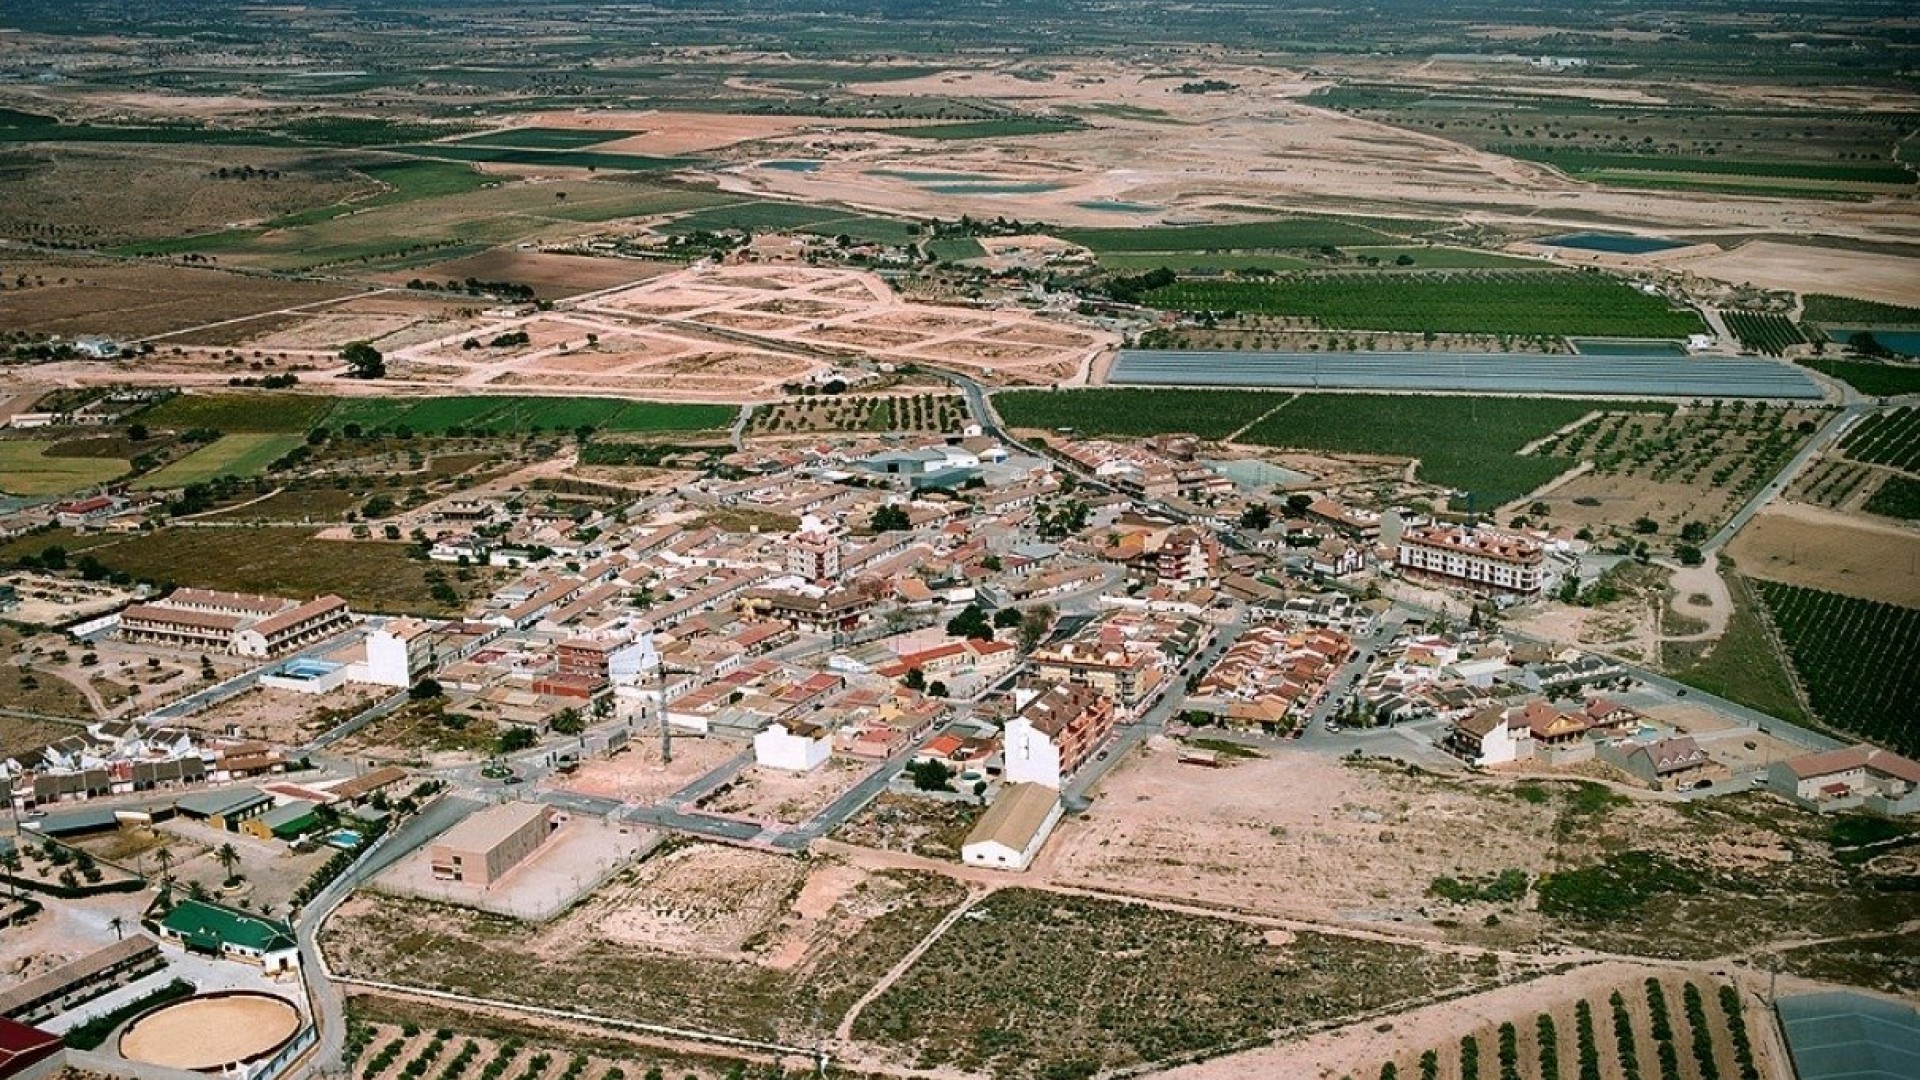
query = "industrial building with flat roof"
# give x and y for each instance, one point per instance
(1012, 830)
(481, 849)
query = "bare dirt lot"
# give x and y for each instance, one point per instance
(637, 775)
(581, 853)
(552, 276)
(1887, 278)
(790, 798)
(1820, 549)
(1355, 845)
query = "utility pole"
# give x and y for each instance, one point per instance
(660, 703)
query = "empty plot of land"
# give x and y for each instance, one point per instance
(637, 773)
(134, 300)
(1868, 276)
(581, 853)
(1820, 549)
(552, 276)
(1501, 373)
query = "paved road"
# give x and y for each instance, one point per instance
(1822, 440)
(329, 1005)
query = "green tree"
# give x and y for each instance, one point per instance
(364, 361)
(891, 518)
(228, 858)
(931, 775)
(970, 623)
(1257, 517)
(517, 737)
(915, 679)
(426, 690)
(569, 722)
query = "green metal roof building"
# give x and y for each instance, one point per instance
(204, 927)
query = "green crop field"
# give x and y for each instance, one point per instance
(230, 455)
(987, 129)
(955, 249)
(1763, 332)
(1281, 233)
(562, 159)
(765, 216)
(545, 138)
(1444, 258)
(506, 414)
(1210, 414)
(1896, 497)
(25, 469)
(291, 413)
(1468, 443)
(1583, 162)
(1889, 438)
(1846, 311)
(1188, 261)
(1879, 380)
(1485, 302)
(1855, 659)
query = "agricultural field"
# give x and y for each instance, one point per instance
(955, 249)
(1879, 380)
(262, 412)
(1191, 261)
(71, 296)
(1847, 311)
(240, 455)
(1279, 234)
(1486, 302)
(27, 468)
(392, 1037)
(1763, 332)
(1896, 497)
(1011, 986)
(1645, 1029)
(1210, 414)
(922, 412)
(769, 217)
(1833, 482)
(1709, 459)
(1587, 163)
(514, 414)
(547, 138)
(557, 159)
(279, 559)
(1010, 128)
(1468, 443)
(1853, 657)
(1888, 438)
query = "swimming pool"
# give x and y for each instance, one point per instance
(344, 839)
(307, 668)
(796, 165)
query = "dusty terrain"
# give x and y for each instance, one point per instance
(1820, 549)
(636, 773)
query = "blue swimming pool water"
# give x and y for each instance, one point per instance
(344, 839)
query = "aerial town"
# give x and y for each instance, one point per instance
(520, 580)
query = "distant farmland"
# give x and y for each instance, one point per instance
(230, 455)
(1491, 302)
(505, 413)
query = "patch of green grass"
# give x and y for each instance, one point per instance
(240, 455)
(1226, 749)
(281, 560)
(362, 131)
(955, 249)
(1484, 302)
(987, 129)
(1130, 411)
(1443, 258)
(25, 469)
(1742, 666)
(1896, 497)
(262, 412)
(1468, 443)
(1280, 233)
(1878, 380)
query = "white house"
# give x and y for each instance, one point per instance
(1031, 755)
(396, 653)
(1492, 736)
(1013, 829)
(794, 745)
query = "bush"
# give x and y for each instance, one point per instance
(93, 1034)
(1616, 886)
(1624, 1038)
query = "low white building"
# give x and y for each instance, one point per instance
(1013, 829)
(793, 745)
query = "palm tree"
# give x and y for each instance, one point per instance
(164, 856)
(228, 859)
(10, 859)
(119, 926)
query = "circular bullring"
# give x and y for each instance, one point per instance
(211, 1032)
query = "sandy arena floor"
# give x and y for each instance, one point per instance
(209, 1032)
